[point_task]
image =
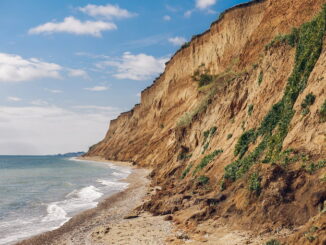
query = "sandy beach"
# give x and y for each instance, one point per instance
(113, 221)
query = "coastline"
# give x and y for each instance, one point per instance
(92, 226)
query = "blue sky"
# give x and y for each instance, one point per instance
(67, 67)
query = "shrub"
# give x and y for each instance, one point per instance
(185, 45)
(202, 180)
(213, 130)
(254, 183)
(229, 136)
(204, 80)
(322, 112)
(206, 160)
(205, 147)
(187, 170)
(260, 77)
(273, 242)
(307, 102)
(243, 143)
(250, 109)
(313, 167)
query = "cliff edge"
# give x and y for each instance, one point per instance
(235, 127)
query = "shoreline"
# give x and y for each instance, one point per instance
(109, 211)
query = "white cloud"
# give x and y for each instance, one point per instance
(75, 26)
(14, 68)
(167, 17)
(204, 4)
(188, 13)
(108, 11)
(13, 99)
(177, 41)
(77, 73)
(135, 67)
(51, 129)
(39, 102)
(97, 88)
(54, 91)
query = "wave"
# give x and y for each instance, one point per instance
(114, 185)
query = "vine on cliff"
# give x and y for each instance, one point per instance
(308, 40)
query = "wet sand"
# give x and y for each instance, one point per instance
(105, 224)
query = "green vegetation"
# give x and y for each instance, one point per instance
(307, 102)
(206, 160)
(308, 40)
(207, 134)
(212, 131)
(229, 136)
(273, 242)
(243, 143)
(202, 77)
(254, 183)
(291, 39)
(260, 77)
(313, 167)
(250, 109)
(184, 156)
(186, 119)
(185, 45)
(203, 180)
(322, 112)
(187, 170)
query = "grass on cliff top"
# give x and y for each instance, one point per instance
(308, 40)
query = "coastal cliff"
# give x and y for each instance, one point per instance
(234, 129)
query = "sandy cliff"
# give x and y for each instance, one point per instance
(248, 148)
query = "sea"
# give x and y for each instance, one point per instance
(41, 193)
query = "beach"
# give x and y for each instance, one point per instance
(113, 221)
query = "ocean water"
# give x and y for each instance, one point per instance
(40, 193)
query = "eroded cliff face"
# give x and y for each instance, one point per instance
(189, 135)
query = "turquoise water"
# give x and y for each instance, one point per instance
(40, 193)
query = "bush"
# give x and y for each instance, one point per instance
(273, 242)
(206, 160)
(250, 109)
(203, 180)
(229, 136)
(322, 112)
(307, 102)
(213, 130)
(260, 77)
(243, 143)
(254, 183)
(187, 170)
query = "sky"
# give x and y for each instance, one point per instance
(68, 67)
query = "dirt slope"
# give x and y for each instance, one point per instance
(249, 147)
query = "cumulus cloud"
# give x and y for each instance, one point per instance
(13, 99)
(77, 73)
(14, 68)
(177, 41)
(49, 129)
(167, 17)
(108, 11)
(54, 91)
(74, 26)
(135, 67)
(204, 4)
(97, 88)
